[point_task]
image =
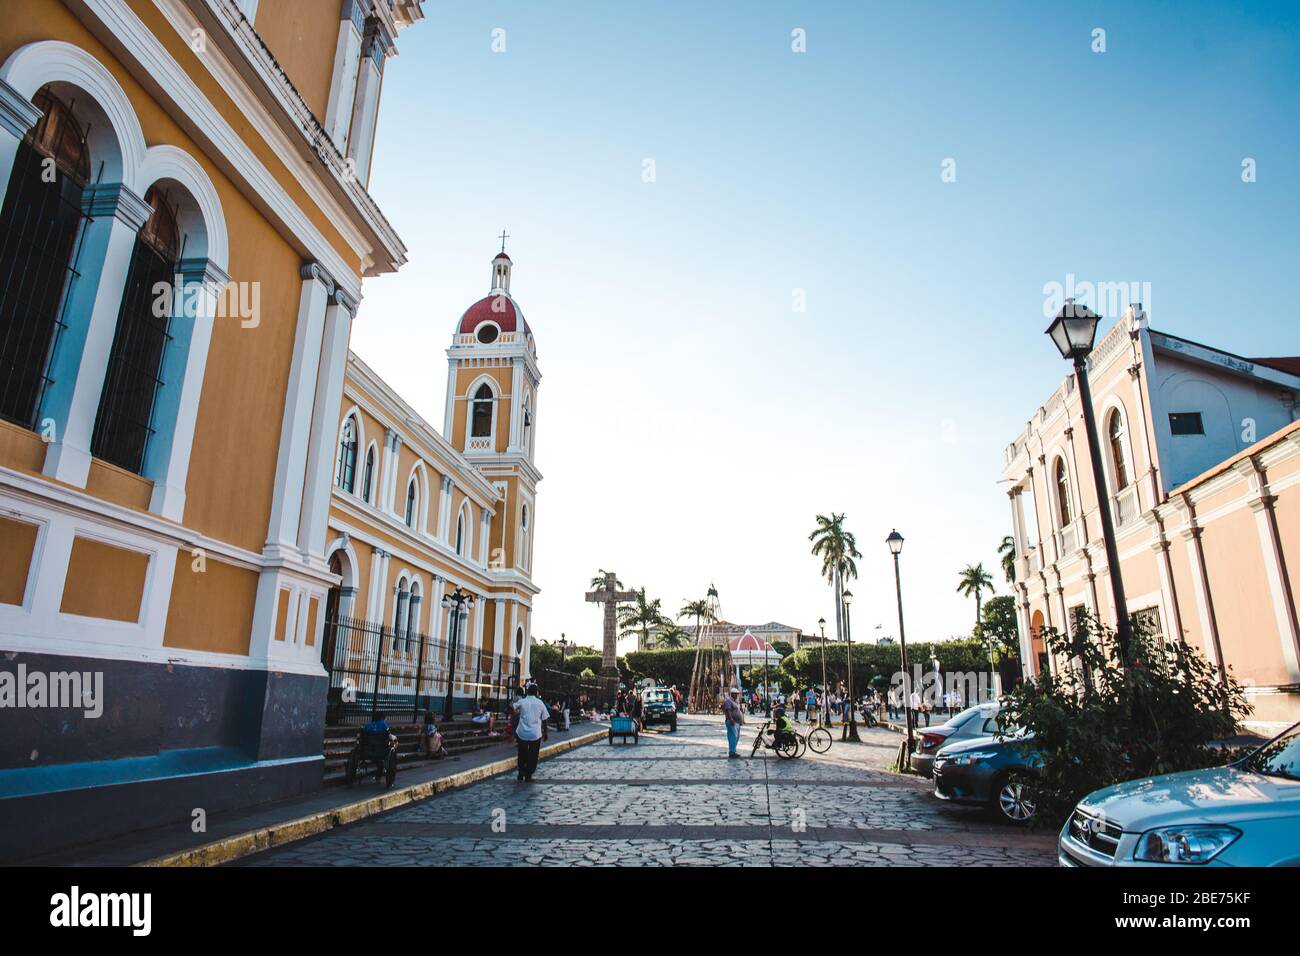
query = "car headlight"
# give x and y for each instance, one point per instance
(964, 760)
(1188, 844)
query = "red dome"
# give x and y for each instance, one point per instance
(497, 307)
(748, 642)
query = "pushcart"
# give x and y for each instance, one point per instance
(623, 727)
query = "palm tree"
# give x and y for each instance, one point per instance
(837, 549)
(698, 610)
(640, 615)
(972, 581)
(1008, 551)
(671, 635)
(598, 582)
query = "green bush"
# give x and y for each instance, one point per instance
(1097, 723)
(875, 664)
(668, 666)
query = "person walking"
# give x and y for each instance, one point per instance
(530, 731)
(734, 719)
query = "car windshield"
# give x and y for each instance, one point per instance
(658, 697)
(1280, 757)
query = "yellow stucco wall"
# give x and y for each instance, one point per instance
(17, 543)
(211, 608)
(302, 36)
(104, 581)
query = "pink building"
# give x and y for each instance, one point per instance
(1202, 454)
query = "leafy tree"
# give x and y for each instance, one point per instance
(667, 666)
(1097, 723)
(640, 615)
(1008, 551)
(998, 627)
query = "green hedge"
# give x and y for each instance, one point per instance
(877, 663)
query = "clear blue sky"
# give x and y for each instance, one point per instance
(691, 423)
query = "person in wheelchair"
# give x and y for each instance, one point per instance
(782, 727)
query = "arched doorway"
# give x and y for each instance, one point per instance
(333, 603)
(1037, 644)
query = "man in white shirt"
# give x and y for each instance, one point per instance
(530, 730)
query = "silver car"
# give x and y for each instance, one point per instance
(1244, 814)
(978, 721)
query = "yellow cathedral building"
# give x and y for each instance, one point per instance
(207, 504)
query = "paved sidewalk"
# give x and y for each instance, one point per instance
(675, 798)
(233, 835)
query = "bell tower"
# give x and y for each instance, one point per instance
(491, 413)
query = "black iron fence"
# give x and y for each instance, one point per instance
(374, 668)
(554, 685)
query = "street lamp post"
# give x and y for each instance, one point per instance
(821, 711)
(895, 542)
(564, 647)
(1073, 331)
(458, 602)
(851, 728)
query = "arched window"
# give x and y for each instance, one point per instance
(412, 503)
(523, 537)
(40, 224)
(346, 477)
(368, 476)
(413, 616)
(460, 533)
(402, 597)
(527, 430)
(1063, 494)
(481, 423)
(1115, 433)
(124, 424)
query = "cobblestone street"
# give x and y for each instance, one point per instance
(675, 798)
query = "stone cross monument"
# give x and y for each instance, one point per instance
(610, 596)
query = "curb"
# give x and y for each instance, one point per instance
(255, 841)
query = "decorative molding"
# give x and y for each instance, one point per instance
(18, 113)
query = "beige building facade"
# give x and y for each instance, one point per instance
(1202, 456)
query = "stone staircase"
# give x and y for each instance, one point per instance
(458, 737)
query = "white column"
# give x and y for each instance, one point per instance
(1270, 548)
(94, 300)
(1191, 534)
(375, 593)
(498, 634)
(444, 509)
(325, 427)
(17, 115)
(343, 82)
(295, 427)
(176, 409)
(365, 109)
(517, 407)
(484, 536)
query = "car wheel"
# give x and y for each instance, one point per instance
(1013, 802)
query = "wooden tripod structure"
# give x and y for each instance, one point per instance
(711, 672)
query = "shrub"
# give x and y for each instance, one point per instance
(1098, 723)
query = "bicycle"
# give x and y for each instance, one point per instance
(795, 745)
(820, 739)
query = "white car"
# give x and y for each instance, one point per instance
(1244, 814)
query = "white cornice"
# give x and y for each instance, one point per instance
(396, 414)
(339, 192)
(114, 23)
